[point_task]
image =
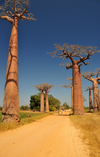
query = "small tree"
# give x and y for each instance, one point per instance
(66, 106)
(13, 11)
(88, 76)
(44, 87)
(40, 87)
(53, 102)
(75, 51)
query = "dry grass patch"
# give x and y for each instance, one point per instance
(90, 126)
(25, 119)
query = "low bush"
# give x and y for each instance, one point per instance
(0, 108)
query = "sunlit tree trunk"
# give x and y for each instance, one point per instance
(42, 102)
(99, 103)
(90, 100)
(72, 96)
(10, 110)
(77, 91)
(47, 103)
(95, 95)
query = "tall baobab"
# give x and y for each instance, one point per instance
(72, 51)
(40, 87)
(13, 11)
(89, 88)
(95, 81)
(47, 88)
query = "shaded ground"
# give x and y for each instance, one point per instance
(52, 136)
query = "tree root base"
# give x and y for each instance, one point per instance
(10, 118)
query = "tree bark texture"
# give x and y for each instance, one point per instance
(77, 91)
(95, 96)
(90, 100)
(42, 102)
(47, 103)
(11, 112)
(99, 103)
(72, 97)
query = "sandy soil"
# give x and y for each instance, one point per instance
(52, 136)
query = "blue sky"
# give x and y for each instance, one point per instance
(58, 21)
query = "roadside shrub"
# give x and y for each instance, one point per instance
(24, 107)
(0, 108)
(52, 108)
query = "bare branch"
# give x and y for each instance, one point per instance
(66, 86)
(70, 51)
(80, 65)
(89, 88)
(30, 17)
(68, 66)
(17, 8)
(7, 18)
(70, 78)
(88, 75)
(44, 87)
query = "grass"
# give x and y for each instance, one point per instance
(25, 119)
(90, 126)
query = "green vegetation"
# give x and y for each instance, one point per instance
(84, 99)
(65, 106)
(90, 126)
(0, 108)
(24, 107)
(25, 119)
(54, 104)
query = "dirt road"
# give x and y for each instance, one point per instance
(53, 136)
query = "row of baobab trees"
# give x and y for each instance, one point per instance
(83, 53)
(13, 11)
(45, 87)
(93, 77)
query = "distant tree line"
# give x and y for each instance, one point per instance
(54, 104)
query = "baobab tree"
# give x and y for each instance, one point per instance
(75, 51)
(89, 88)
(47, 88)
(13, 11)
(95, 81)
(44, 87)
(40, 87)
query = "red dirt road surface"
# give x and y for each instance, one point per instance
(52, 136)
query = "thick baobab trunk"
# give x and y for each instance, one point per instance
(10, 112)
(99, 103)
(90, 100)
(72, 97)
(77, 91)
(47, 103)
(95, 95)
(42, 102)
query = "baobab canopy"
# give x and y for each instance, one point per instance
(70, 51)
(18, 8)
